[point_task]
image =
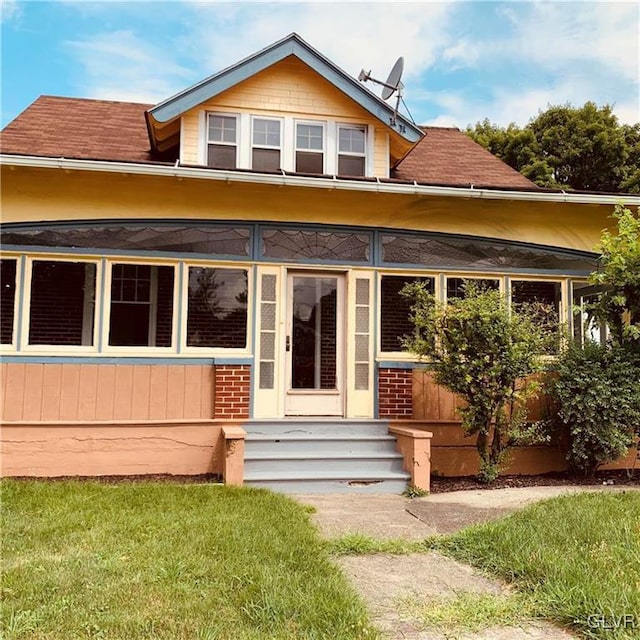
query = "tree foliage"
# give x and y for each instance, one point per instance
(619, 274)
(485, 353)
(597, 389)
(567, 147)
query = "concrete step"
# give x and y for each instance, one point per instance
(394, 483)
(343, 445)
(320, 428)
(345, 465)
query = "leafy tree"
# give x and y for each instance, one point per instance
(485, 353)
(569, 147)
(619, 274)
(597, 387)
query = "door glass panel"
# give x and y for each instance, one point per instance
(313, 340)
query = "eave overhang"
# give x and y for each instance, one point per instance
(374, 185)
(293, 45)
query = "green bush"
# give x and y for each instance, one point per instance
(484, 352)
(597, 390)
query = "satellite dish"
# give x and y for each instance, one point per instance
(393, 80)
(392, 85)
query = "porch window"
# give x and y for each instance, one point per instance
(585, 327)
(543, 299)
(141, 305)
(395, 309)
(62, 303)
(309, 148)
(351, 150)
(222, 143)
(456, 286)
(265, 150)
(8, 269)
(217, 308)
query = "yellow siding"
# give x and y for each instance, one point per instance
(287, 88)
(31, 195)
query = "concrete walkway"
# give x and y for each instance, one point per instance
(384, 581)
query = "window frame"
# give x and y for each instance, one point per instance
(325, 143)
(207, 141)
(401, 356)
(253, 145)
(365, 155)
(184, 309)
(106, 315)
(26, 346)
(10, 347)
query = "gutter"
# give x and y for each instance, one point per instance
(415, 189)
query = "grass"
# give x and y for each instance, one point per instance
(128, 561)
(574, 560)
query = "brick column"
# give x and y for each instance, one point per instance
(395, 393)
(232, 391)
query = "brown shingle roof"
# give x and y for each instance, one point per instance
(104, 130)
(447, 156)
(79, 128)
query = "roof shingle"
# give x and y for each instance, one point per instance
(447, 156)
(85, 129)
(79, 128)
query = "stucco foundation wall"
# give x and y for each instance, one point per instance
(114, 448)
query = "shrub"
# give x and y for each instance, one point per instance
(597, 389)
(485, 353)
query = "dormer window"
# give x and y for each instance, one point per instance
(222, 141)
(351, 150)
(309, 148)
(265, 144)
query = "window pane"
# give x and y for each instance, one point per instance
(217, 308)
(456, 286)
(221, 156)
(542, 299)
(436, 251)
(299, 244)
(351, 139)
(395, 309)
(141, 305)
(7, 299)
(62, 303)
(222, 129)
(266, 133)
(265, 160)
(309, 136)
(168, 238)
(350, 166)
(307, 162)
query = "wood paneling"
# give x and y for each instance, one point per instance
(43, 392)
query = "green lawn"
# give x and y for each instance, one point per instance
(573, 559)
(157, 560)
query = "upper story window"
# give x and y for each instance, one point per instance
(351, 150)
(309, 148)
(222, 141)
(265, 145)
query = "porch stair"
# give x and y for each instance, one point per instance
(323, 456)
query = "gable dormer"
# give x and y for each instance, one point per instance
(285, 108)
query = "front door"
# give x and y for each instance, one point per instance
(315, 344)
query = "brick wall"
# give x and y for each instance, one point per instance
(395, 392)
(232, 389)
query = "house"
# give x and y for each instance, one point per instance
(226, 265)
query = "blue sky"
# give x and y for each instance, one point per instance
(464, 61)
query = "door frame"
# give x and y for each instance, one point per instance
(316, 402)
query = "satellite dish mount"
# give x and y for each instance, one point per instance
(392, 84)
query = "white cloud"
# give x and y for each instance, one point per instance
(9, 10)
(119, 65)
